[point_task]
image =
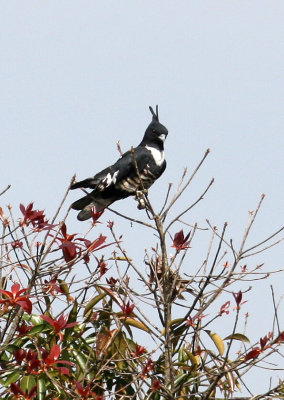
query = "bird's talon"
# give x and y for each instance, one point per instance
(141, 204)
(138, 194)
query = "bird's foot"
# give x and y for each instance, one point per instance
(141, 193)
(141, 204)
(140, 197)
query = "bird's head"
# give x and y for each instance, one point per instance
(156, 133)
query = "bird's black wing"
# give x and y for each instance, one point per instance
(125, 167)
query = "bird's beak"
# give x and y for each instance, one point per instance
(162, 137)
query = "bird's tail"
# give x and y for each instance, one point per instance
(81, 203)
(86, 183)
(87, 203)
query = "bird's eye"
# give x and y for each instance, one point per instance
(154, 131)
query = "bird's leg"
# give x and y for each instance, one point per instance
(140, 197)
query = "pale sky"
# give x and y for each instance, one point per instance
(76, 77)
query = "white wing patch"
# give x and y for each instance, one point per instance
(159, 156)
(108, 180)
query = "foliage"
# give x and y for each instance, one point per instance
(69, 329)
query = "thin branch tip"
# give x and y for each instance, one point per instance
(73, 180)
(119, 148)
(5, 190)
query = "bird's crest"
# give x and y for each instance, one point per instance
(155, 114)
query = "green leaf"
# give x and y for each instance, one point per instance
(176, 321)
(83, 362)
(156, 396)
(194, 359)
(21, 341)
(182, 356)
(217, 341)
(73, 313)
(11, 348)
(120, 259)
(93, 302)
(136, 324)
(3, 283)
(120, 345)
(4, 357)
(80, 358)
(38, 329)
(47, 302)
(238, 336)
(124, 388)
(10, 378)
(65, 288)
(181, 379)
(110, 292)
(177, 334)
(72, 318)
(131, 344)
(34, 319)
(182, 367)
(27, 383)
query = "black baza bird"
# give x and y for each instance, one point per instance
(134, 171)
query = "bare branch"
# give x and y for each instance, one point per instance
(5, 190)
(181, 190)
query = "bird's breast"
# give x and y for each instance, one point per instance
(158, 155)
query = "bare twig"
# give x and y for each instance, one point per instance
(181, 190)
(191, 206)
(5, 190)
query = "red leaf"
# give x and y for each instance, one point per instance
(254, 353)
(17, 244)
(14, 298)
(16, 389)
(263, 341)
(102, 266)
(26, 304)
(180, 242)
(15, 289)
(224, 308)
(23, 329)
(127, 309)
(63, 230)
(139, 351)
(63, 370)
(156, 385)
(20, 355)
(150, 365)
(55, 352)
(238, 297)
(35, 217)
(96, 215)
(281, 337)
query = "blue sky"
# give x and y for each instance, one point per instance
(76, 77)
